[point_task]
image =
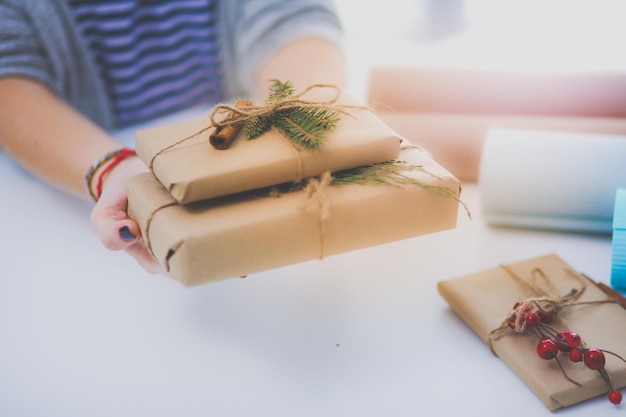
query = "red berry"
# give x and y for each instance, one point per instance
(546, 317)
(561, 343)
(572, 339)
(615, 397)
(575, 355)
(547, 349)
(533, 320)
(594, 359)
(529, 308)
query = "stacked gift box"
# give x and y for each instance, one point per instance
(209, 214)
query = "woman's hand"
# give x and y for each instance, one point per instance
(111, 223)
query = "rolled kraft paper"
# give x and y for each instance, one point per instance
(551, 180)
(618, 261)
(455, 140)
(570, 93)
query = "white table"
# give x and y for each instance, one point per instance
(85, 332)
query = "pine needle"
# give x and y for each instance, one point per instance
(303, 126)
(391, 173)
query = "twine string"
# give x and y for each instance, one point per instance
(544, 296)
(315, 194)
(146, 233)
(224, 115)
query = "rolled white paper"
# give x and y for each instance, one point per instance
(551, 180)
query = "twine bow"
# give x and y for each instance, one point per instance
(545, 297)
(227, 115)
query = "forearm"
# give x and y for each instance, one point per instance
(304, 61)
(47, 136)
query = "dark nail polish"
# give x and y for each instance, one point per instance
(126, 234)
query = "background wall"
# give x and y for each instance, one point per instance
(532, 35)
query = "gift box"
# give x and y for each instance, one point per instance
(193, 170)
(249, 232)
(484, 299)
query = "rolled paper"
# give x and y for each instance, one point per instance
(455, 139)
(618, 256)
(459, 90)
(551, 180)
(222, 136)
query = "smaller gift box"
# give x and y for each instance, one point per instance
(484, 299)
(249, 232)
(182, 159)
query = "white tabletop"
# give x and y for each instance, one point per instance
(85, 332)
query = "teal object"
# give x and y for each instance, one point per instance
(618, 263)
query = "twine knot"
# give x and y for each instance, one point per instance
(229, 115)
(544, 297)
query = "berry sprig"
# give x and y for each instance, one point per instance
(527, 315)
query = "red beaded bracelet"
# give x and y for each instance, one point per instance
(110, 159)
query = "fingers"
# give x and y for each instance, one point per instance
(117, 231)
(110, 222)
(144, 258)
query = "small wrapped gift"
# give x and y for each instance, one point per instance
(182, 159)
(490, 303)
(240, 234)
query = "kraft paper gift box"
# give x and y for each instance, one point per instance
(193, 170)
(484, 299)
(240, 234)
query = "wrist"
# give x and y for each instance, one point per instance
(122, 162)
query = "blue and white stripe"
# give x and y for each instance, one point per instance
(155, 57)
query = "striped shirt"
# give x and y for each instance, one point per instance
(155, 57)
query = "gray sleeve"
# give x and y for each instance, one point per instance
(21, 48)
(252, 30)
(38, 40)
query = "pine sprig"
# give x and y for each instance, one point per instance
(256, 126)
(304, 126)
(387, 173)
(392, 173)
(280, 91)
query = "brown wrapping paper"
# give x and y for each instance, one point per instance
(455, 139)
(483, 300)
(241, 234)
(193, 170)
(422, 89)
